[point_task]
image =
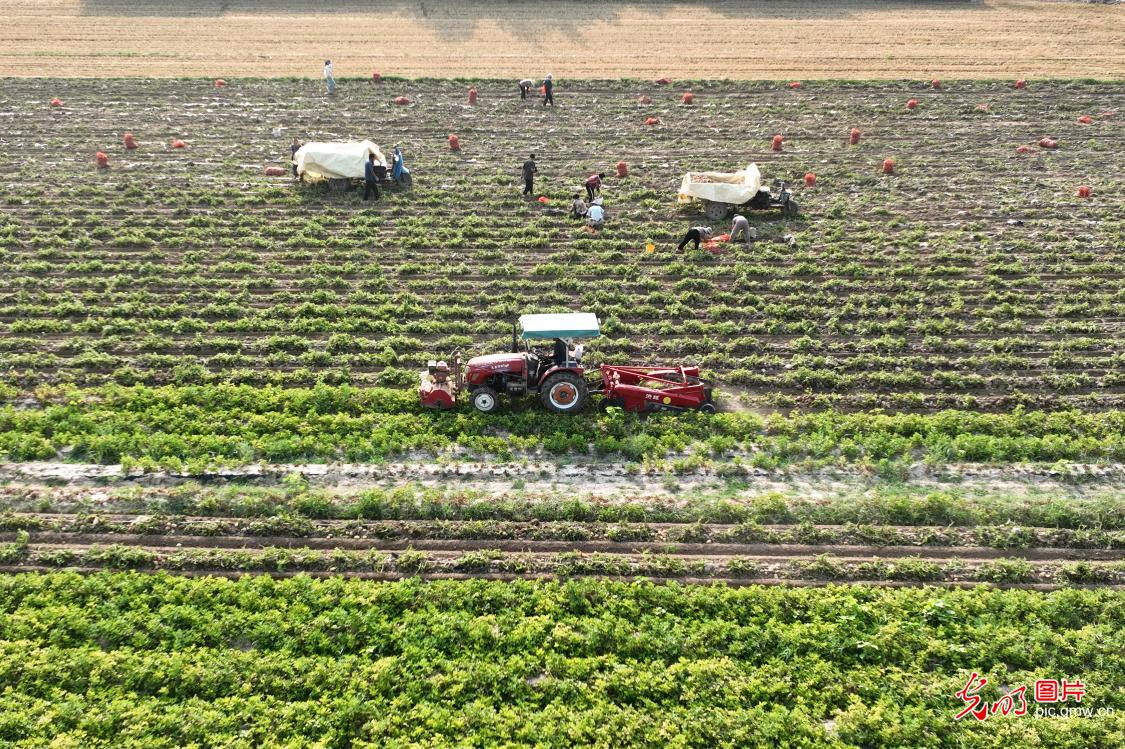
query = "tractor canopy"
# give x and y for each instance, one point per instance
(559, 325)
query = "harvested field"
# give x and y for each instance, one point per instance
(971, 278)
(851, 39)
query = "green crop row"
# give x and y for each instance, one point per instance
(203, 425)
(127, 660)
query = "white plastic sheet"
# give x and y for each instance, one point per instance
(336, 160)
(735, 188)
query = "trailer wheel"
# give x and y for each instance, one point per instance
(707, 408)
(564, 393)
(715, 210)
(485, 400)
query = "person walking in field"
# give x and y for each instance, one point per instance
(695, 234)
(329, 80)
(525, 87)
(594, 185)
(529, 172)
(549, 90)
(370, 180)
(742, 227)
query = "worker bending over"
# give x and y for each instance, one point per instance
(525, 87)
(696, 234)
(594, 185)
(742, 227)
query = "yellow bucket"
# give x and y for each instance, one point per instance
(650, 247)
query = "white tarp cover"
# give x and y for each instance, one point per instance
(735, 188)
(560, 325)
(334, 160)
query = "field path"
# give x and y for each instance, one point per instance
(776, 40)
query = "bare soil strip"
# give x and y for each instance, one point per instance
(726, 39)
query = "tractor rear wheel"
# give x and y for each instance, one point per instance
(715, 210)
(485, 400)
(564, 393)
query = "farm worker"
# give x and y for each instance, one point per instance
(370, 185)
(742, 226)
(595, 216)
(578, 207)
(529, 172)
(525, 87)
(549, 90)
(696, 234)
(399, 171)
(293, 149)
(328, 79)
(594, 185)
(559, 354)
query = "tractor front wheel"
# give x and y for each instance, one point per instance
(707, 408)
(790, 208)
(485, 400)
(564, 393)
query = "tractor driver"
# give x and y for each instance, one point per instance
(559, 354)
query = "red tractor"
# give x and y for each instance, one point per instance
(560, 379)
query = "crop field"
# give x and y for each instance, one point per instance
(971, 278)
(119, 659)
(225, 520)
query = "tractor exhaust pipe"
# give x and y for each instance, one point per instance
(515, 347)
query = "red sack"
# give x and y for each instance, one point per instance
(663, 82)
(810, 180)
(544, 199)
(129, 141)
(645, 100)
(177, 143)
(275, 171)
(1023, 149)
(776, 143)
(983, 107)
(1085, 119)
(911, 104)
(1084, 191)
(794, 84)
(622, 170)
(853, 137)
(688, 98)
(454, 143)
(101, 159)
(473, 95)
(888, 166)
(376, 78)
(402, 101)
(56, 102)
(652, 121)
(935, 83)
(1048, 143)
(219, 83)
(1021, 83)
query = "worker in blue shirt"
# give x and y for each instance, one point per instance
(370, 184)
